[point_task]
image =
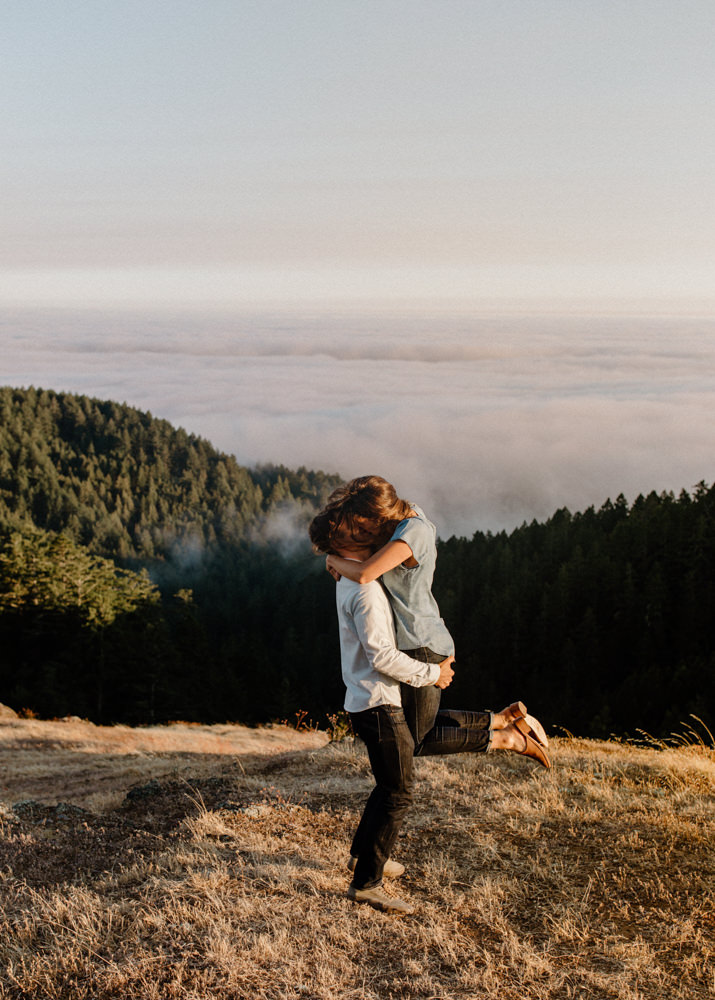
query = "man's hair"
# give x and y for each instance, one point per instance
(322, 530)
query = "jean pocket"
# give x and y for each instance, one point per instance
(390, 721)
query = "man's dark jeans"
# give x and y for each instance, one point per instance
(391, 749)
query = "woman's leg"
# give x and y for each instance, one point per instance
(390, 748)
(457, 731)
(421, 704)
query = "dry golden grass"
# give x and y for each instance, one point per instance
(92, 766)
(593, 881)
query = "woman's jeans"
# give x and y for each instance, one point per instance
(421, 704)
(391, 749)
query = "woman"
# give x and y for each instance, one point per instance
(405, 559)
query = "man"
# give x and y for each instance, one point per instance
(372, 669)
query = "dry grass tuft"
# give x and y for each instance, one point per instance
(593, 881)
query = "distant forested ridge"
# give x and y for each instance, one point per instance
(126, 484)
(606, 618)
(145, 576)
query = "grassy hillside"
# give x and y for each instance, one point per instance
(223, 876)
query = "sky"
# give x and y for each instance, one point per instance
(233, 152)
(468, 246)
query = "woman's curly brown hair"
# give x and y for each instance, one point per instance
(370, 498)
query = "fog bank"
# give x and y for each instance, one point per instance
(486, 421)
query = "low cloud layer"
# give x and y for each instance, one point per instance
(485, 421)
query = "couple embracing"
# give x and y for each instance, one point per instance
(397, 656)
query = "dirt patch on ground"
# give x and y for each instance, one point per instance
(94, 766)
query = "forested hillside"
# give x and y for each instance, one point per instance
(126, 484)
(606, 617)
(220, 624)
(145, 576)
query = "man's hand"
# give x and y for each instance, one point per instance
(333, 572)
(445, 673)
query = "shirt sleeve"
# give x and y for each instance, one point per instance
(415, 533)
(377, 637)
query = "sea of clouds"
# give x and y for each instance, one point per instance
(485, 420)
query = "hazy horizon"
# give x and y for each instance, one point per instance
(484, 420)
